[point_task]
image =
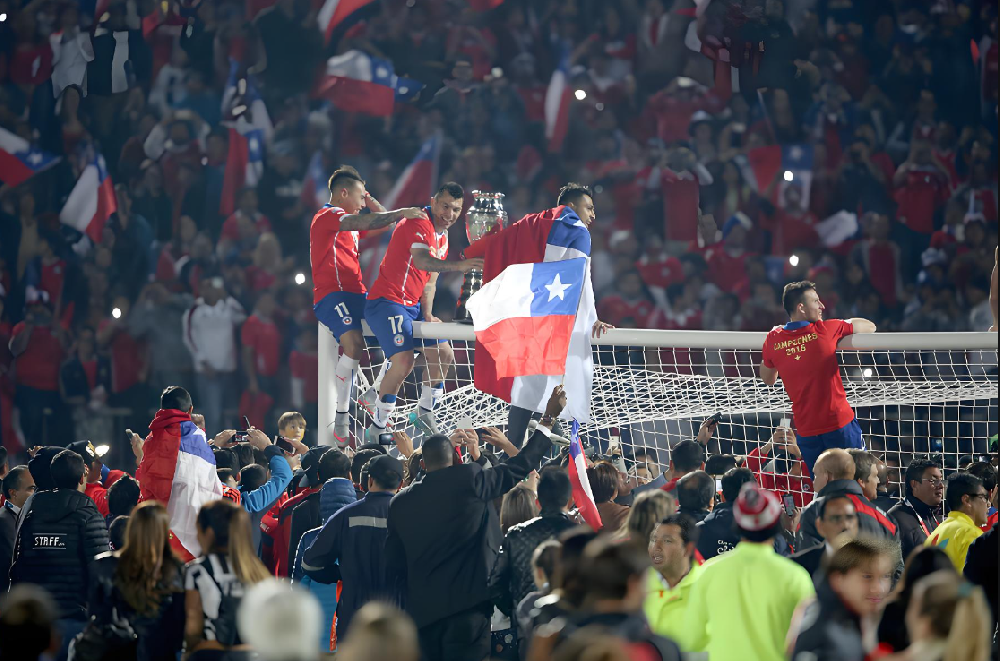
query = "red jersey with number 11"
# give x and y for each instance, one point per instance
(398, 279)
(806, 360)
(333, 253)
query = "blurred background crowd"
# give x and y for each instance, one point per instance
(733, 145)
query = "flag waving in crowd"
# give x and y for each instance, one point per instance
(92, 200)
(583, 496)
(19, 160)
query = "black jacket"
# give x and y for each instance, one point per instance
(812, 559)
(160, 634)
(630, 627)
(829, 630)
(444, 536)
(871, 520)
(351, 548)
(305, 516)
(981, 568)
(60, 535)
(514, 568)
(717, 534)
(8, 526)
(908, 515)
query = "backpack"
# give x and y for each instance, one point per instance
(231, 591)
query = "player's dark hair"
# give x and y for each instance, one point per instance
(915, 473)
(334, 464)
(604, 481)
(252, 477)
(688, 527)
(123, 496)
(438, 452)
(695, 491)
(554, 488)
(687, 456)
(452, 189)
(572, 192)
(959, 484)
(986, 474)
(67, 469)
(863, 462)
(175, 397)
(342, 176)
(792, 295)
(720, 464)
(733, 481)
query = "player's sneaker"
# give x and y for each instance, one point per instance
(342, 428)
(424, 421)
(369, 400)
(373, 431)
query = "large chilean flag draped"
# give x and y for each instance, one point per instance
(524, 317)
(178, 470)
(583, 496)
(19, 160)
(550, 236)
(92, 200)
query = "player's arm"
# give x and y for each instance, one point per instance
(427, 298)
(378, 220)
(768, 375)
(861, 325)
(423, 260)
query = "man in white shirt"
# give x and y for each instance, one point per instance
(209, 333)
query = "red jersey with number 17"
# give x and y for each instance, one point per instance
(333, 253)
(398, 279)
(806, 360)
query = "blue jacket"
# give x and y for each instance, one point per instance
(350, 548)
(336, 493)
(258, 501)
(325, 593)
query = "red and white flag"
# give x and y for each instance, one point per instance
(92, 200)
(341, 14)
(557, 99)
(583, 496)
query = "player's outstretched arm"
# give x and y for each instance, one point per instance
(862, 325)
(422, 260)
(374, 221)
(768, 375)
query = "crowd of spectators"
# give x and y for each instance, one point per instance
(719, 147)
(468, 548)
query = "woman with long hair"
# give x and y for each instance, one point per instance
(921, 563)
(215, 582)
(143, 584)
(517, 507)
(648, 509)
(948, 620)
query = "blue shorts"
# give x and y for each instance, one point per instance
(341, 311)
(847, 437)
(392, 324)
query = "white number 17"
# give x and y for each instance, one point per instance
(341, 309)
(396, 323)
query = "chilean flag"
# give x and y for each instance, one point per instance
(524, 317)
(92, 200)
(583, 496)
(178, 469)
(557, 100)
(413, 188)
(248, 134)
(19, 160)
(358, 82)
(341, 13)
(551, 236)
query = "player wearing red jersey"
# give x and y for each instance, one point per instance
(403, 293)
(338, 292)
(804, 353)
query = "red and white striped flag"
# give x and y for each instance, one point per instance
(92, 200)
(583, 496)
(557, 100)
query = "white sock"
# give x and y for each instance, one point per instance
(386, 364)
(430, 396)
(382, 412)
(344, 381)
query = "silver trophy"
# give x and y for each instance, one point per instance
(486, 215)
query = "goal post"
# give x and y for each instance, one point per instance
(914, 393)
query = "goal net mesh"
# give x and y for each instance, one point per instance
(941, 403)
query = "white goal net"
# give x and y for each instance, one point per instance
(914, 394)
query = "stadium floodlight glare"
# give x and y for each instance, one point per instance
(580, 95)
(867, 372)
(300, 278)
(789, 175)
(3, 17)
(116, 313)
(794, 260)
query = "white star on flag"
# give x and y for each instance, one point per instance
(557, 288)
(34, 158)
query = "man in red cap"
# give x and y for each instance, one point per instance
(717, 620)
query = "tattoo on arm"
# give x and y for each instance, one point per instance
(422, 260)
(369, 221)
